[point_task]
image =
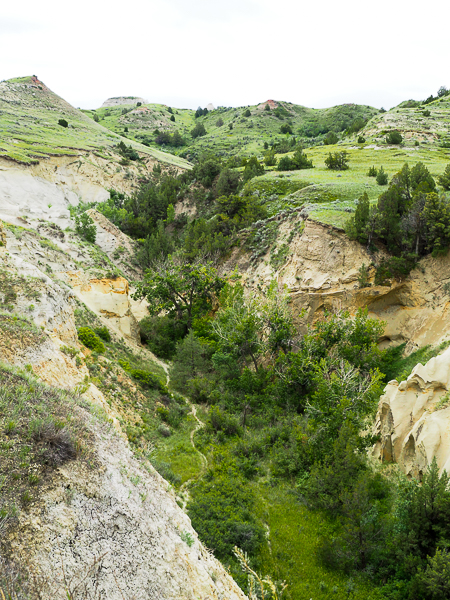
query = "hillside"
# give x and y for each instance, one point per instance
(198, 357)
(29, 129)
(229, 131)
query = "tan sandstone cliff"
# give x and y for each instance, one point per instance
(413, 419)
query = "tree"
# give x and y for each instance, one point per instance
(253, 168)
(198, 131)
(247, 113)
(269, 158)
(267, 108)
(180, 289)
(63, 123)
(422, 178)
(285, 164)
(337, 161)
(228, 182)
(330, 138)
(176, 139)
(172, 118)
(382, 177)
(444, 179)
(219, 122)
(301, 161)
(361, 218)
(85, 226)
(436, 214)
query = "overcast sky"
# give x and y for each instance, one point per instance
(232, 53)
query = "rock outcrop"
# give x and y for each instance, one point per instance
(413, 419)
(108, 298)
(121, 100)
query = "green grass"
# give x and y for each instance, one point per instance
(291, 553)
(247, 135)
(29, 130)
(330, 195)
(177, 450)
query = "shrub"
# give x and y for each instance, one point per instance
(219, 122)
(382, 177)
(337, 161)
(103, 333)
(285, 164)
(90, 340)
(247, 113)
(394, 137)
(172, 118)
(161, 335)
(330, 138)
(373, 172)
(85, 226)
(393, 268)
(286, 128)
(361, 139)
(63, 123)
(147, 379)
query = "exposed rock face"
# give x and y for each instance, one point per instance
(321, 271)
(108, 298)
(121, 100)
(124, 516)
(413, 418)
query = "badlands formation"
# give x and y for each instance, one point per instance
(125, 515)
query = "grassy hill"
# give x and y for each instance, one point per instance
(228, 130)
(29, 129)
(426, 125)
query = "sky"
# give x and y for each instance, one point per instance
(187, 53)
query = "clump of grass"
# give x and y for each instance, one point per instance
(33, 445)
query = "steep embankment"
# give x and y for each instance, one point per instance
(90, 516)
(320, 268)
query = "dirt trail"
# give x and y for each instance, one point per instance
(183, 493)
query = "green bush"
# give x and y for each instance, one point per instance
(337, 161)
(85, 226)
(161, 335)
(373, 172)
(286, 128)
(103, 333)
(330, 139)
(63, 123)
(382, 177)
(394, 267)
(90, 340)
(247, 113)
(147, 379)
(394, 137)
(222, 513)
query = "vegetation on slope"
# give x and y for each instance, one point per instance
(35, 123)
(229, 131)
